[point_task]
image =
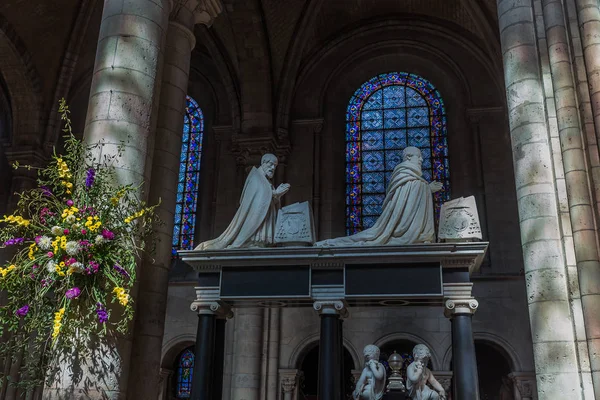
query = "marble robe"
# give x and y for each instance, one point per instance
(254, 222)
(406, 217)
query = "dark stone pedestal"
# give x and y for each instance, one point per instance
(395, 395)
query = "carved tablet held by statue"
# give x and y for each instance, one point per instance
(459, 221)
(295, 225)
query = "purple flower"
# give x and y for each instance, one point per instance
(92, 268)
(46, 191)
(101, 312)
(89, 178)
(121, 270)
(14, 241)
(108, 235)
(70, 203)
(73, 293)
(21, 312)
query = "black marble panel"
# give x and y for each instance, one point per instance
(265, 282)
(327, 276)
(209, 279)
(396, 280)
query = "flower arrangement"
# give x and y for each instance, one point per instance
(76, 239)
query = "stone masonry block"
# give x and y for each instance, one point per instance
(543, 254)
(155, 12)
(123, 80)
(537, 205)
(558, 386)
(545, 285)
(521, 63)
(551, 325)
(105, 53)
(589, 283)
(525, 109)
(137, 54)
(532, 164)
(132, 108)
(517, 34)
(540, 228)
(130, 26)
(510, 11)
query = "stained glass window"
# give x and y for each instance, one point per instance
(185, 371)
(386, 114)
(189, 177)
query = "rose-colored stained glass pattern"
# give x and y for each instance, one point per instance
(189, 177)
(386, 114)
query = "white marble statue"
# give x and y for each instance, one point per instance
(407, 215)
(254, 222)
(418, 376)
(371, 384)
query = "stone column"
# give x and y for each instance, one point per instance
(153, 282)
(460, 307)
(165, 376)
(330, 348)
(247, 350)
(549, 311)
(273, 352)
(288, 385)
(581, 208)
(122, 108)
(219, 357)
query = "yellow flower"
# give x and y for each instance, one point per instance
(122, 295)
(5, 271)
(32, 250)
(15, 219)
(115, 200)
(58, 316)
(135, 216)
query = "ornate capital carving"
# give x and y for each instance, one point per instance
(206, 11)
(288, 384)
(331, 307)
(217, 308)
(525, 384)
(248, 149)
(460, 306)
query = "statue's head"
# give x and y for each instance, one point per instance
(421, 353)
(412, 155)
(371, 352)
(268, 163)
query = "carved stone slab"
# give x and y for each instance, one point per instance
(295, 225)
(459, 221)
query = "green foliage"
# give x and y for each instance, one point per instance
(77, 238)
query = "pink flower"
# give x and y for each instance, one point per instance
(50, 254)
(66, 231)
(83, 231)
(73, 293)
(70, 203)
(108, 235)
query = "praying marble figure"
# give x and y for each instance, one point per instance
(407, 214)
(418, 376)
(254, 222)
(371, 384)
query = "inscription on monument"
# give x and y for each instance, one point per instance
(459, 220)
(295, 225)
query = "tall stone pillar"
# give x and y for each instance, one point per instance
(122, 108)
(247, 350)
(330, 348)
(153, 281)
(544, 260)
(581, 208)
(460, 307)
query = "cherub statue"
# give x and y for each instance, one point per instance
(418, 376)
(371, 384)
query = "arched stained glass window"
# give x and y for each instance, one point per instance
(184, 374)
(385, 115)
(189, 177)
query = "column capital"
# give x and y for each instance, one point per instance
(460, 306)
(217, 308)
(206, 11)
(332, 307)
(288, 384)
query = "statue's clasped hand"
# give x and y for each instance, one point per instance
(282, 189)
(435, 186)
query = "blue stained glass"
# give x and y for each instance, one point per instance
(185, 373)
(189, 177)
(376, 120)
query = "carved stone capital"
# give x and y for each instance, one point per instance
(331, 307)
(206, 11)
(288, 384)
(217, 308)
(249, 148)
(460, 306)
(524, 385)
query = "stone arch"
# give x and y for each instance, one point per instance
(382, 341)
(23, 84)
(174, 347)
(498, 343)
(311, 342)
